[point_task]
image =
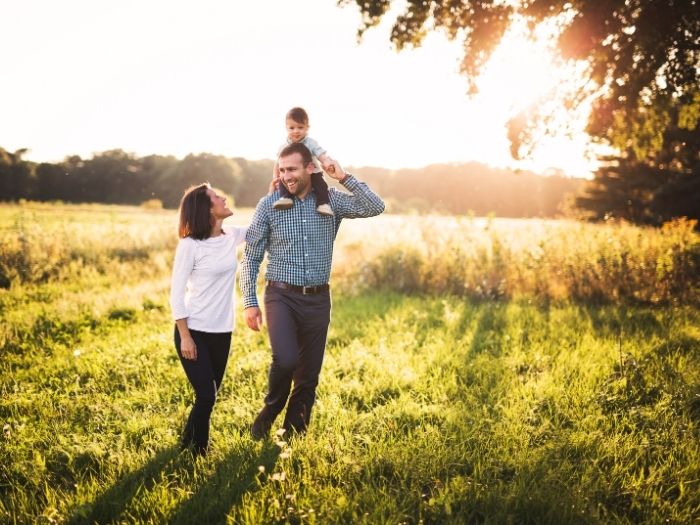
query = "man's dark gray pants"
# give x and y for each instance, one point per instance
(298, 327)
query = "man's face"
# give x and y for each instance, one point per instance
(295, 175)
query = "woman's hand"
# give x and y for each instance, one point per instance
(188, 348)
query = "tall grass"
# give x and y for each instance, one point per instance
(545, 260)
(476, 258)
(42, 243)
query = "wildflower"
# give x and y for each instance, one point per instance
(261, 469)
(76, 352)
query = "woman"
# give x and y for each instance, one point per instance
(202, 302)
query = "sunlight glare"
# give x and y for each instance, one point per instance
(524, 72)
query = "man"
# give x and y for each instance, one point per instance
(299, 243)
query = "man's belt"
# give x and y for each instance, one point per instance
(306, 290)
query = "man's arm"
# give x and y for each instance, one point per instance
(257, 239)
(362, 202)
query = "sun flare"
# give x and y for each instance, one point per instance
(523, 73)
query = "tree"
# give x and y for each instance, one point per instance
(114, 176)
(651, 192)
(220, 172)
(254, 180)
(642, 57)
(52, 183)
(642, 73)
(16, 175)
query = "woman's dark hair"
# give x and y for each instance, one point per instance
(298, 115)
(195, 213)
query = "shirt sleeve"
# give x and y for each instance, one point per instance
(256, 239)
(314, 147)
(362, 202)
(182, 268)
(239, 233)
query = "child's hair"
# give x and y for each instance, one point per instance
(298, 115)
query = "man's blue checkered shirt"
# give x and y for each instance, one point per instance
(299, 241)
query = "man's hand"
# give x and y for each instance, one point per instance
(188, 348)
(334, 170)
(253, 318)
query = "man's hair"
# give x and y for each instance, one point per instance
(297, 147)
(195, 213)
(298, 115)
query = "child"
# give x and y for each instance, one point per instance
(297, 128)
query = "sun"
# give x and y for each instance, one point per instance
(518, 74)
(524, 73)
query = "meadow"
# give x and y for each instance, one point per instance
(477, 371)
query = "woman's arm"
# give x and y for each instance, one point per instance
(182, 268)
(187, 346)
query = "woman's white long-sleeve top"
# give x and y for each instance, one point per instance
(203, 280)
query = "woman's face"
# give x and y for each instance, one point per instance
(219, 210)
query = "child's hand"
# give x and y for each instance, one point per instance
(328, 164)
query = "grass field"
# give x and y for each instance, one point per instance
(502, 395)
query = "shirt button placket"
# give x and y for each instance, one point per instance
(304, 244)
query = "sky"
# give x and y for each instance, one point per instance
(177, 77)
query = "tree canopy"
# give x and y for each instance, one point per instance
(642, 57)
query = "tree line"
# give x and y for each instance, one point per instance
(119, 177)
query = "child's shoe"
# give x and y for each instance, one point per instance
(283, 203)
(325, 209)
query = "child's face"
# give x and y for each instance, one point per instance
(296, 131)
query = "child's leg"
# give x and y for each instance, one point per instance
(320, 187)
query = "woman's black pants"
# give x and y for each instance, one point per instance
(205, 375)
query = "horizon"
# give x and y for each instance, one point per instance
(549, 172)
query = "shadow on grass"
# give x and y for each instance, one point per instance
(623, 320)
(490, 330)
(111, 504)
(225, 488)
